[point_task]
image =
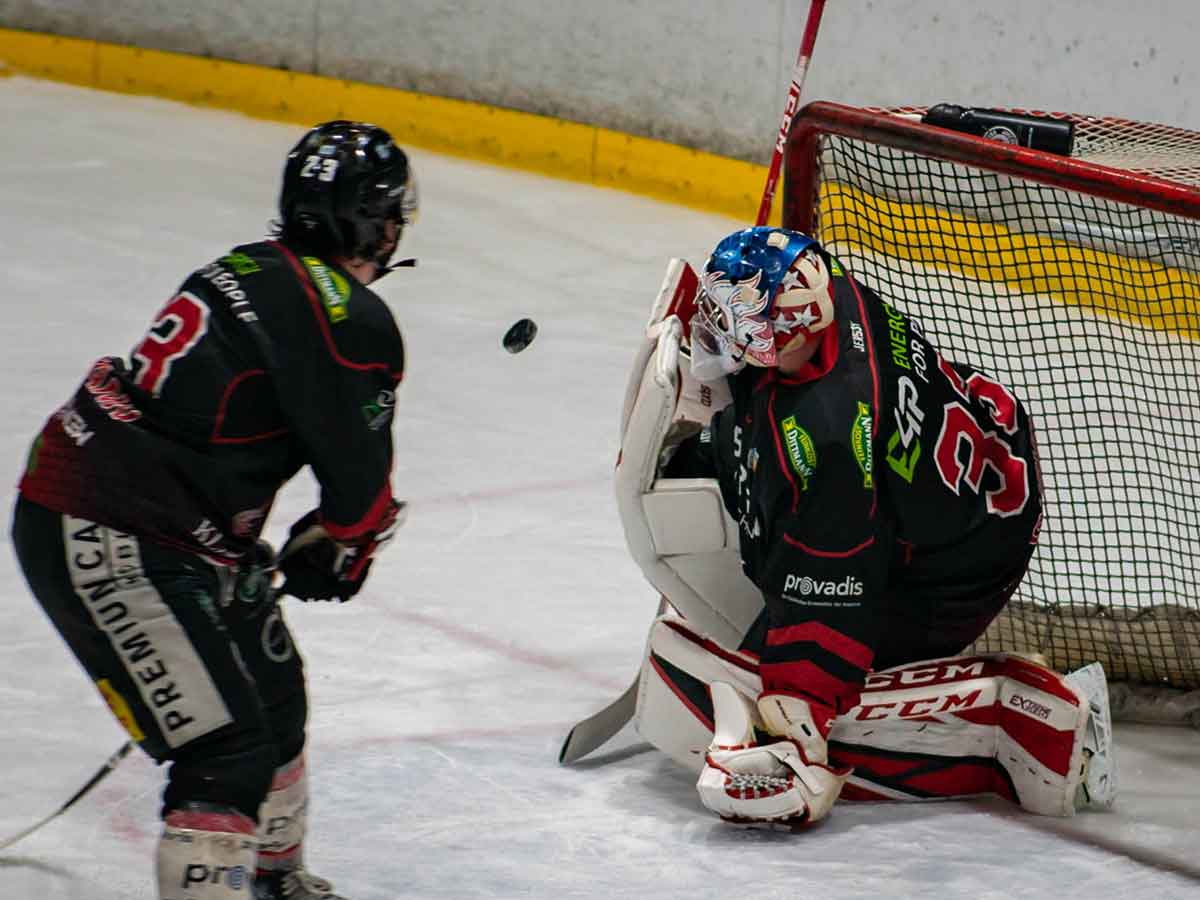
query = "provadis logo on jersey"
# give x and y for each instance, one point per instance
(335, 290)
(807, 586)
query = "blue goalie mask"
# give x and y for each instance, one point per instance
(761, 290)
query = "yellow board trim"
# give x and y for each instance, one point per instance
(555, 147)
(1149, 294)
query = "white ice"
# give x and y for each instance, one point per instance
(508, 607)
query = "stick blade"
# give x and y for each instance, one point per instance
(598, 729)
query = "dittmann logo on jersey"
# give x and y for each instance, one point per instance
(335, 290)
(808, 587)
(800, 449)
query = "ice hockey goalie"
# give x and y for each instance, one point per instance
(834, 511)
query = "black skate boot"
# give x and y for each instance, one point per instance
(293, 885)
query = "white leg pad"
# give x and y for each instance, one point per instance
(1030, 719)
(678, 664)
(206, 855)
(1099, 788)
(283, 819)
(1034, 723)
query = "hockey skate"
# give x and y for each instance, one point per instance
(1098, 788)
(295, 884)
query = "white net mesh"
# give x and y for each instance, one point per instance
(1085, 300)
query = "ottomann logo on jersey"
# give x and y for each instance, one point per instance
(806, 586)
(860, 443)
(801, 451)
(335, 290)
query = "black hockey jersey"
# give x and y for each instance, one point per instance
(263, 362)
(878, 473)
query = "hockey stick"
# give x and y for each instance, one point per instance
(598, 729)
(101, 774)
(815, 8)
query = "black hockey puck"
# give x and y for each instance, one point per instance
(520, 335)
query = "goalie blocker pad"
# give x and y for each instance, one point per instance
(938, 729)
(677, 529)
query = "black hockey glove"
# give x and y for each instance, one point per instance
(316, 567)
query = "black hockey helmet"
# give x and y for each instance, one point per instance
(342, 183)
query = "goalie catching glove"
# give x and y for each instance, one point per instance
(787, 782)
(316, 567)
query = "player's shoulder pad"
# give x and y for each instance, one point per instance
(244, 268)
(355, 321)
(253, 263)
(247, 277)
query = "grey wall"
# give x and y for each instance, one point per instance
(705, 73)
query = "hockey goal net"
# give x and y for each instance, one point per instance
(1075, 280)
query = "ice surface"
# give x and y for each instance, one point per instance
(507, 608)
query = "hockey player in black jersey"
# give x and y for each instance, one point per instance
(139, 513)
(886, 503)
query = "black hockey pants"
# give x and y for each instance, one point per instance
(195, 661)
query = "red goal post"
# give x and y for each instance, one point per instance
(1075, 280)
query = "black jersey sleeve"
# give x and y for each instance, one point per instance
(338, 359)
(824, 581)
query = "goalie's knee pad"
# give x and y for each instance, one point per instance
(206, 850)
(674, 708)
